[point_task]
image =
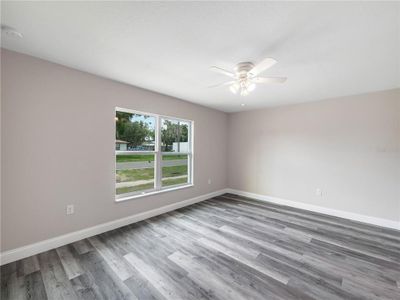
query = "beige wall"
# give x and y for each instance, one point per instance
(58, 148)
(349, 147)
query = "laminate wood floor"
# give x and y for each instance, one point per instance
(228, 247)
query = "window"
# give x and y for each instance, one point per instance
(176, 151)
(153, 153)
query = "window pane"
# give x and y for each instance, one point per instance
(175, 136)
(134, 132)
(135, 173)
(174, 169)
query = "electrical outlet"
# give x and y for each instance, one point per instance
(70, 209)
(209, 180)
(318, 192)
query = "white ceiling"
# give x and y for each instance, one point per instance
(325, 49)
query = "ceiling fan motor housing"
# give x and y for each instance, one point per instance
(243, 68)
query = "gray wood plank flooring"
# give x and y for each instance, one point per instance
(228, 247)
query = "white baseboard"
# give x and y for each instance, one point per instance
(32, 249)
(328, 211)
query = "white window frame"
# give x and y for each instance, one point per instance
(158, 188)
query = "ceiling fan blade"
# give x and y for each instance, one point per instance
(269, 79)
(222, 84)
(262, 66)
(222, 71)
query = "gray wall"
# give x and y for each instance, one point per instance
(58, 148)
(349, 147)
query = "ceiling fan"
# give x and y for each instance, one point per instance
(245, 76)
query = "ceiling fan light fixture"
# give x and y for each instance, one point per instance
(251, 87)
(244, 92)
(234, 88)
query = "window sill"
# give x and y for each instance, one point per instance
(122, 199)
